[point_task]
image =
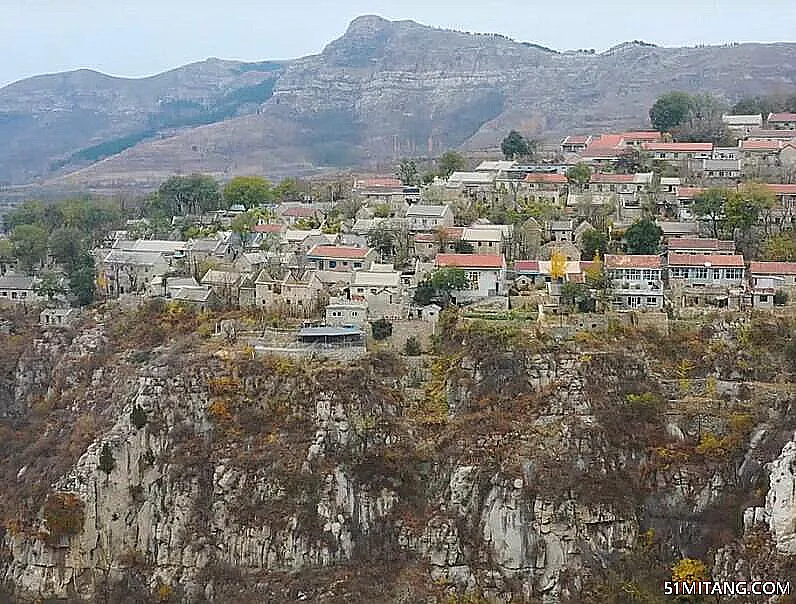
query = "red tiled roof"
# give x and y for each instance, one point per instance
(608, 140)
(725, 260)
(300, 212)
(338, 251)
(380, 182)
(783, 189)
(268, 228)
(761, 145)
(772, 268)
(599, 177)
(782, 117)
(642, 136)
(546, 177)
(678, 147)
(688, 192)
(526, 266)
(632, 261)
(691, 243)
(470, 260)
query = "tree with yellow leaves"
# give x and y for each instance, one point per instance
(558, 265)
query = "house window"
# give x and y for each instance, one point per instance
(332, 264)
(23, 294)
(700, 273)
(473, 278)
(357, 265)
(652, 301)
(764, 298)
(716, 274)
(14, 295)
(373, 290)
(649, 275)
(733, 273)
(360, 290)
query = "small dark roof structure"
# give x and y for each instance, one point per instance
(332, 334)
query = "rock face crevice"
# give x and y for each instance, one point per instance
(552, 465)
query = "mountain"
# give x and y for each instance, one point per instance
(385, 89)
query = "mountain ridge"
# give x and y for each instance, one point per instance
(383, 90)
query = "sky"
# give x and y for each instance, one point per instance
(136, 38)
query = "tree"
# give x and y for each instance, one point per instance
(83, 280)
(514, 145)
(192, 194)
(709, 207)
(106, 460)
(49, 286)
(30, 245)
(381, 329)
(579, 175)
(463, 247)
(447, 280)
(558, 265)
(643, 237)
(781, 247)
(138, 417)
(744, 207)
(288, 189)
(629, 161)
(382, 240)
(66, 246)
(248, 191)
(424, 293)
(576, 295)
(594, 243)
(670, 110)
(450, 162)
(407, 172)
(412, 347)
(382, 210)
(243, 224)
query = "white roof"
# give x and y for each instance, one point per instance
(149, 245)
(421, 210)
(495, 166)
(478, 178)
(220, 277)
(743, 120)
(299, 235)
(199, 293)
(482, 233)
(134, 258)
(670, 180)
(374, 279)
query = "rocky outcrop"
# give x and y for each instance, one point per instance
(233, 471)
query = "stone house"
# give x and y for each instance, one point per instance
(486, 273)
(340, 311)
(17, 289)
(706, 279)
(341, 258)
(428, 218)
(781, 121)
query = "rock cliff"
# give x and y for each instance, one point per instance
(383, 90)
(505, 465)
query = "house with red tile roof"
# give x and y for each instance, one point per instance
(706, 279)
(341, 258)
(783, 272)
(781, 121)
(694, 245)
(486, 273)
(636, 280)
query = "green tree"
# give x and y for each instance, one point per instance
(576, 296)
(514, 145)
(30, 245)
(192, 194)
(593, 242)
(83, 280)
(106, 460)
(288, 189)
(447, 280)
(709, 207)
(382, 240)
(450, 162)
(781, 247)
(49, 286)
(66, 245)
(381, 329)
(243, 225)
(248, 191)
(744, 207)
(407, 172)
(643, 237)
(382, 210)
(670, 110)
(138, 417)
(579, 174)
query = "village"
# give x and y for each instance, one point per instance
(627, 227)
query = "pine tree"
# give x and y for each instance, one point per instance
(106, 460)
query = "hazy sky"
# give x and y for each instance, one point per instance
(142, 37)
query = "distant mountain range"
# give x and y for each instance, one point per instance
(385, 89)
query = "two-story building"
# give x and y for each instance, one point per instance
(697, 245)
(781, 121)
(486, 273)
(679, 151)
(742, 125)
(636, 281)
(428, 218)
(341, 258)
(706, 279)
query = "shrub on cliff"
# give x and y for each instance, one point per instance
(64, 514)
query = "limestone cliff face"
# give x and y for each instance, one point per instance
(504, 468)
